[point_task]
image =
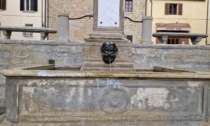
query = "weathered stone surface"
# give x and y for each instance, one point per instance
(160, 103)
(2, 103)
(27, 53)
(23, 53)
(103, 99)
(194, 58)
(2, 96)
(172, 123)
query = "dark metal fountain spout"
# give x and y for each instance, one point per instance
(109, 52)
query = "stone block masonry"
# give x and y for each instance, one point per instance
(28, 53)
(192, 58)
(15, 54)
(73, 98)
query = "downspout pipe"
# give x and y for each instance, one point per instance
(48, 13)
(42, 14)
(145, 7)
(45, 14)
(151, 7)
(207, 21)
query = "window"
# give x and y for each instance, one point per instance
(173, 41)
(28, 34)
(128, 5)
(28, 5)
(130, 37)
(173, 9)
(2, 4)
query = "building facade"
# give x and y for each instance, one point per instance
(173, 15)
(180, 16)
(23, 13)
(80, 29)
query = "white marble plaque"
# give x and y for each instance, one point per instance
(109, 13)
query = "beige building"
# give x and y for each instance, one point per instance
(23, 13)
(179, 16)
(80, 29)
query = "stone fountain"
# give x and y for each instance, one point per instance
(47, 96)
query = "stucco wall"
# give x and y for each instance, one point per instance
(12, 16)
(194, 13)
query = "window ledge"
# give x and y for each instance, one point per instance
(29, 11)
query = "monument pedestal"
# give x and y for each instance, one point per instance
(93, 58)
(108, 26)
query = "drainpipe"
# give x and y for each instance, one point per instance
(151, 7)
(45, 14)
(42, 14)
(48, 13)
(145, 7)
(207, 20)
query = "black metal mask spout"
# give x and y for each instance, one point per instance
(109, 52)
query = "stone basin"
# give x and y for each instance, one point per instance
(42, 95)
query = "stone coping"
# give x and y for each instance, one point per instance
(107, 74)
(27, 29)
(41, 42)
(194, 37)
(183, 35)
(58, 43)
(165, 46)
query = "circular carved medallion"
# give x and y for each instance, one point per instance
(114, 100)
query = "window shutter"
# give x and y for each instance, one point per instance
(166, 8)
(4, 5)
(22, 5)
(35, 5)
(180, 9)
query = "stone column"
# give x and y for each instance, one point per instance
(146, 35)
(63, 27)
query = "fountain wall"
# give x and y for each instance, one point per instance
(28, 53)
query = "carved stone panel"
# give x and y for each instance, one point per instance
(104, 99)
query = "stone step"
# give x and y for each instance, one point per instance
(106, 69)
(102, 40)
(114, 65)
(100, 60)
(108, 35)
